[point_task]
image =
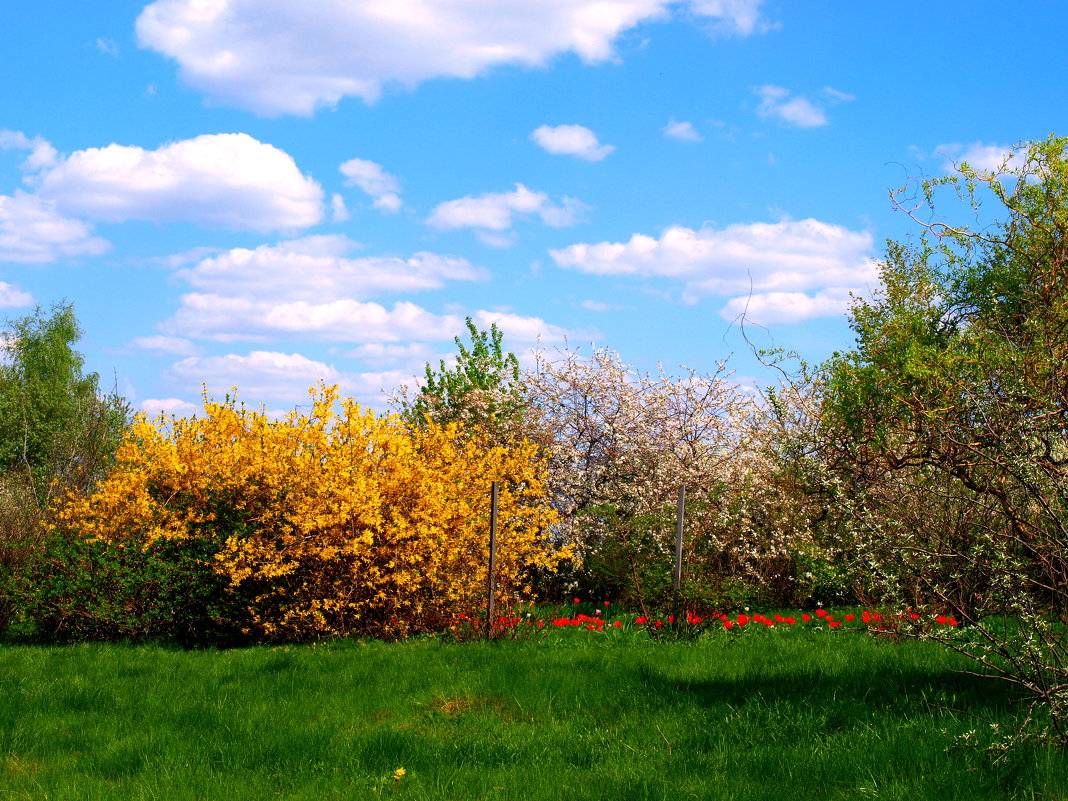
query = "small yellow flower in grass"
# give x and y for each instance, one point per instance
(398, 773)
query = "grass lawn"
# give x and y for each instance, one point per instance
(575, 714)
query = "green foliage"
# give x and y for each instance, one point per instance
(483, 390)
(630, 558)
(53, 420)
(57, 432)
(945, 427)
(75, 589)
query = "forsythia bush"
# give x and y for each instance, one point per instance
(323, 523)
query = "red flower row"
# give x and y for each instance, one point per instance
(598, 623)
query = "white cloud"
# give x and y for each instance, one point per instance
(32, 231)
(187, 257)
(837, 96)
(378, 354)
(783, 257)
(229, 319)
(683, 131)
(281, 379)
(280, 57)
(108, 46)
(492, 239)
(338, 211)
(520, 328)
(979, 155)
(496, 211)
(787, 307)
(741, 17)
(310, 288)
(490, 210)
(775, 101)
(598, 306)
(42, 154)
(571, 140)
(228, 180)
(169, 406)
(569, 211)
(383, 188)
(174, 346)
(13, 297)
(317, 267)
(260, 374)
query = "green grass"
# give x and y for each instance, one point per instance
(759, 714)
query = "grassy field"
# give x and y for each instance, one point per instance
(757, 714)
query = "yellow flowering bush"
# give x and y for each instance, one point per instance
(329, 521)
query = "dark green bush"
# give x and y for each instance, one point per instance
(75, 589)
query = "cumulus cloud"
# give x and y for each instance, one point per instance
(766, 308)
(496, 211)
(279, 57)
(383, 188)
(232, 319)
(775, 101)
(229, 319)
(13, 297)
(228, 180)
(260, 374)
(278, 377)
(42, 154)
(169, 406)
(783, 257)
(739, 17)
(979, 155)
(316, 267)
(519, 327)
(571, 140)
(313, 290)
(683, 131)
(33, 232)
(173, 346)
(275, 57)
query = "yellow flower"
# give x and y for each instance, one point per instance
(398, 773)
(327, 518)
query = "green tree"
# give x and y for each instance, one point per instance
(484, 389)
(945, 426)
(54, 422)
(57, 431)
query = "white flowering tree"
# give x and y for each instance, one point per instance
(623, 442)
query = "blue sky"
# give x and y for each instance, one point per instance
(261, 193)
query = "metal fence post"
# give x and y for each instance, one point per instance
(491, 579)
(677, 584)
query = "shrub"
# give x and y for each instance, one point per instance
(76, 588)
(326, 523)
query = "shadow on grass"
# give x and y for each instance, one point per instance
(904, 691)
